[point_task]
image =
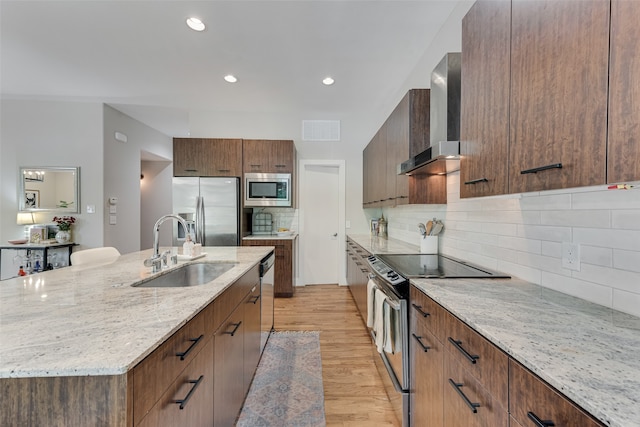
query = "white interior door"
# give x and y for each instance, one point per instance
(322, 228)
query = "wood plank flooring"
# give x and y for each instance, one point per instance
(353, 391)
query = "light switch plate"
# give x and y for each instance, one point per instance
(113, 209)
(112, 220)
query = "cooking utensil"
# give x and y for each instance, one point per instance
(423, 230)
(437, 228)
(429, 227)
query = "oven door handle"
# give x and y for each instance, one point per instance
(392, 300)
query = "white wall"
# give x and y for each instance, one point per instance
(50, 133)
(122, 163)
(522, 235)
(155, 197)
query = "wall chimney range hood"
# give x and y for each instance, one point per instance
(443, 155)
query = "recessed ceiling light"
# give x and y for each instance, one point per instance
(328, 81)
(195, 24)
(230, 78)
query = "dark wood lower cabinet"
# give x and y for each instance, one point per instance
(426, 365)
(531, 398)
(284, 274)
(251, 335)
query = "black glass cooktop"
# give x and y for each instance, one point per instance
(435, 266)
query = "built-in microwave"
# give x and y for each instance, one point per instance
(267, 189)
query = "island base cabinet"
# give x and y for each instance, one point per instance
(467, 402)
(44, 401)
(530, 398)
(426, 398)
(187, 402)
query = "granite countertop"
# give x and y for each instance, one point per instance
(88, 320)
(378, 245)
(587, 351)
(273, 236)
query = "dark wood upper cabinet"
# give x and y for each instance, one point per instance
(268, 156)
(559, 83)
(624, 93)
(484, 122)
(207, 157)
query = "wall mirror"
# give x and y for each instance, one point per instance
(51, 189)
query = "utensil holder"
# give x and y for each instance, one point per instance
(429, 244)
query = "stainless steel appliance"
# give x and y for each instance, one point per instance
(443, 154)
(267, 189)
(267, 283)
(211, 209)
(391, 274)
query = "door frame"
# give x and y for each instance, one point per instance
(304, 201)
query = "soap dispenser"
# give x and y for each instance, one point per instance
(187, 246)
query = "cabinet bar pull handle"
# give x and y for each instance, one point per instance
(281, 166)
(418, 308)
(235, 328)
(194, 342)
(224, 170)
(255, 299)
(476, 181)
(457, 386)
(538, 422)
(196, 383)
(542, 168)
(458, 344)
(255, 166)
(419, 339)
(191, 170)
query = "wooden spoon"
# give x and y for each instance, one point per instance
(429, 227)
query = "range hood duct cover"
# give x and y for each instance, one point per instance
(443, 155)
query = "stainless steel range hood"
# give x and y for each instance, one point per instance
(443, 155)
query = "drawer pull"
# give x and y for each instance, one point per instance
(194, 342)
(476, 181)
(418, 308)
(196, 383)
(255, 299)
(224, 170)
(191, 170)
(419, 339)
(538, 422)
(457, 386)
(235, 328)
(542, 168)
(458, 344)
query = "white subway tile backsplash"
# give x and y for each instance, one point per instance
(522, 235)
(629, 302)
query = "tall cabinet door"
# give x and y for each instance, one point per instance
(484, 122)
(624, 93)
(559, 82)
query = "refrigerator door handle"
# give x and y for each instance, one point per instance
(202, 222)
(197, 222)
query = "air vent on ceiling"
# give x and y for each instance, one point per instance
(321, 130)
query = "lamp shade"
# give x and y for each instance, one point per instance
(25, 218)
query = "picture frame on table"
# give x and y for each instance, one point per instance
(31, 199)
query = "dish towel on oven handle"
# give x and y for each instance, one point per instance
(378, 319)
(392, 333)
(371, 295)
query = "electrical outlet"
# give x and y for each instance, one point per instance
(571, 256)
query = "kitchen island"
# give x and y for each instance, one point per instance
(88, 321)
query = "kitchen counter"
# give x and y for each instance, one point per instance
(270, 237)
(88, 320)
(587, 351)
(378, 245)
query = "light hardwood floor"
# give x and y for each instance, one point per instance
(353, 391)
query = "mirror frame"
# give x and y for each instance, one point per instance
(76, 190)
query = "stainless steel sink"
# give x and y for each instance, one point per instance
(188, 275)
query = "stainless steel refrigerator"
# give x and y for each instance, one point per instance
(211, 208)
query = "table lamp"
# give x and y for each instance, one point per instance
(26, 219)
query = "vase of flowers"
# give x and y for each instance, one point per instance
(64, 228)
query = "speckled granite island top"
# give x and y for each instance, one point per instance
(588, 352)
(90, 320)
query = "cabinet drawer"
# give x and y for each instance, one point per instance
(531, 398)
(194, 387)
(487, 363)
(156, 372)
(467, 402)
(427, 354)
(225, 304)
(428, 312)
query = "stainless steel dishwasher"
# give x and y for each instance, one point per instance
(267, 283)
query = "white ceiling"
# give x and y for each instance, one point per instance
(140, 56)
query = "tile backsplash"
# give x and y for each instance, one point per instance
(281, 217)
(523, 235)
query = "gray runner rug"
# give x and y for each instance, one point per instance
(287, 387)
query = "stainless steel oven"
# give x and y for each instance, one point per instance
(391, 275)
